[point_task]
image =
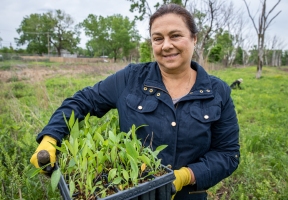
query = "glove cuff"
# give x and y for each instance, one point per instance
(186, 176)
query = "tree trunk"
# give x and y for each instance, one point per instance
(201, 57)
(260, 63)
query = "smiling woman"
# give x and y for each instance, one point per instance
(181, 105)
(173, 48)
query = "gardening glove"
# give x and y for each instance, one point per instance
(44, 154)
(183, 178)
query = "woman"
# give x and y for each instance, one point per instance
(184, 107)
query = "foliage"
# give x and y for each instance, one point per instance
(222, 49)
(143, 9)
(239, 56)
(53, 26)
(145, 51)
(96, 148)
(114, 35)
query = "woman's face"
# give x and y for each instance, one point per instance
(172, 43)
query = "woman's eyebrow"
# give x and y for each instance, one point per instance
(170, 32)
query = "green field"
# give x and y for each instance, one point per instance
(26, 106)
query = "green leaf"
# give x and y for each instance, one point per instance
(71, 188)
(131, 150)
(71, 119)
(145, 159)
(125, 175)
(33, 172)
(117, 180)
(161, 147)
(55, 178)
(112, 137)
(75, 130)
(112, 174)
(134, 168)
(113, 153)
(71, 163)
(65, 119)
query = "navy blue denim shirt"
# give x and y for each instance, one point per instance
(201, 130)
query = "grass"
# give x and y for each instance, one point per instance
(261, 107)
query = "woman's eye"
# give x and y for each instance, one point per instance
(175, 36)
(157, 39)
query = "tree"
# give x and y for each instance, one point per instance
(143, 9)
(263, 24)
(222, 49)
(115, 35)
(238, 60)
(145, 51)
(210, 16)
(42, 32)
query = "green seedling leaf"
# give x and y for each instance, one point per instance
(72, 119)
(86, 120)
(113, 153)
(131, 150)
(33, 172)
(112, 137)
(71, 163)
(158, 149)
(55, 178)
(75, 147)
(161, 147)
(65, 119)
(69, 146)
(98, 136)
(134, 168)
(71, 188)
(112, 174)
(125, 175)
(75, 130)
(145, 159)
(117, 180)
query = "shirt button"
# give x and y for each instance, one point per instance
(158, 94)
(201, 91)
(173, 123)
(145, 88)
(140, 107)
(206, 117)
(151, 90)
(207, 90)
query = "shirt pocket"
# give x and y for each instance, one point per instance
(141, 105)
(206, 114)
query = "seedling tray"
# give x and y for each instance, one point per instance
(157, 188)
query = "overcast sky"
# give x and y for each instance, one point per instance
(13, 11)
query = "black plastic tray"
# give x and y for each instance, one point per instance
(157, 188)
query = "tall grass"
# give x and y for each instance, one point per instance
(261, 108)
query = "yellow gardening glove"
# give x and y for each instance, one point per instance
(48, 156)
(183, 178)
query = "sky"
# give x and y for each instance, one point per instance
(13, 12)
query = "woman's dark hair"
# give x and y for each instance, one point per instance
(178, 10)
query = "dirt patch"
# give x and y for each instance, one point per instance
(38, 73)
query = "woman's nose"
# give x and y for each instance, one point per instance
(167, 44)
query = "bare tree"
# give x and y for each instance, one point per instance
(277, 45)
(210, 16)
(263, 24)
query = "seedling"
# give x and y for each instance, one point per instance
(100, 160)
